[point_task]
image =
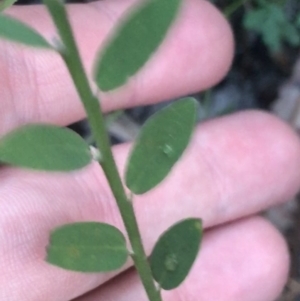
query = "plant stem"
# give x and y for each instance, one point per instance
(231, 8)
(70, 55)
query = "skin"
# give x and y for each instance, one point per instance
(235, 167)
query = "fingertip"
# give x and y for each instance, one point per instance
(244, 260)
(219, 45)
(273, 259)
(196, 54)
(278, 148)
(252, 159)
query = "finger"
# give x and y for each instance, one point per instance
(245, 260)
(234, 167)
(35, 85)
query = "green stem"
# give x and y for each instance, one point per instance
(72, 59)
(231, 8)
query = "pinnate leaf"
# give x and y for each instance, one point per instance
(44, 147)
(19, 32)
(134, 41)
(175, 252)
(160, 144)
(87, 247)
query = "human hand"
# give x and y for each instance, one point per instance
(234, 167)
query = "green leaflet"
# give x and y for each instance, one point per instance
(16, 31)
(4, 4)
(87, 247)
(160, 144)
(44, 147)
(175, 253)
(133, 42)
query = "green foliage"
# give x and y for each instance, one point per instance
(134, 42)
(297, 22)
(44, 147)
(87, 247)
(16, 31)
(175, 253)
(270, 20)
(160, 144)
(4, 4)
